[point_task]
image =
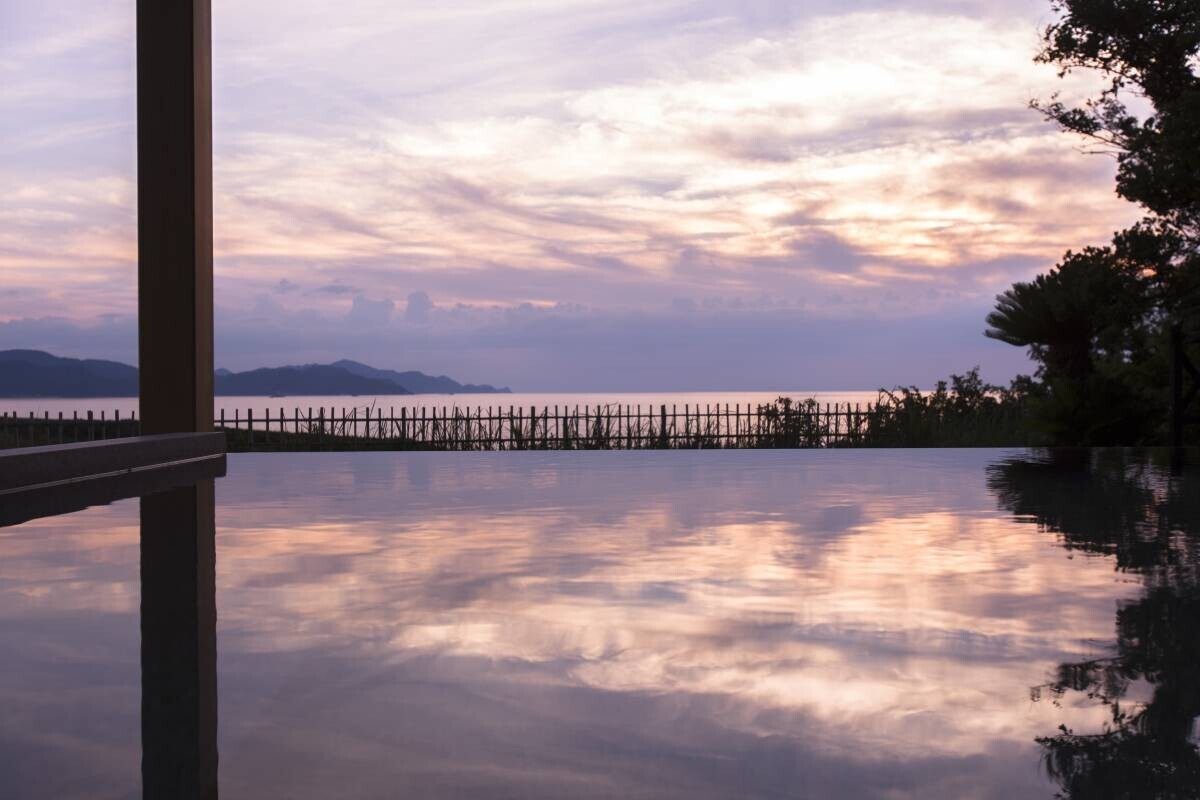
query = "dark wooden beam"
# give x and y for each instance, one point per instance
(174, 118)
(24, 469)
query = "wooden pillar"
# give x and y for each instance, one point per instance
(174, 119)
(179, 644)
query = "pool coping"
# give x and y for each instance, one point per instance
(25, 469)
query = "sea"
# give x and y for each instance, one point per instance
(338, 405)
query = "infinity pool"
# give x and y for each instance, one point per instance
(800, 624)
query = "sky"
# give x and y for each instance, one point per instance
(564, 195)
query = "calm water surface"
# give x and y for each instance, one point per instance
(684, 624)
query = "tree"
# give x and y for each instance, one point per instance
(1086, 324)
(1096, 323)
(1147, 51)
(1073, 315)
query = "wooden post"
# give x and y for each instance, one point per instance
(174, 146)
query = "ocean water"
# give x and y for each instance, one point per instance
(124, 406)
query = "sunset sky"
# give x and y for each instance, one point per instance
(564, 194)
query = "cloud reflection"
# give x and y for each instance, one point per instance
(658, 624)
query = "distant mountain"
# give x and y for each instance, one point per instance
(419, 382)
(33, 373)
(310, 379)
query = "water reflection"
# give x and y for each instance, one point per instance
(666, 625)
(179, 644)
(1133, 508)
(72, 679)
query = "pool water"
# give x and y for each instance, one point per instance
(676, 624)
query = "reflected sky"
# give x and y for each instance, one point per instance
(662, 624)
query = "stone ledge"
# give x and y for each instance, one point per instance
(26, 468)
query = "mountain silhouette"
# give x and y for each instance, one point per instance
(33, 373)
(418, 382)
(309, 379)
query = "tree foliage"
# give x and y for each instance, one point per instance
(1147, 52)
(1096, 323)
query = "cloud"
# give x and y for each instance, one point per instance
(827, 250)
(335, 289)
(720, 344)
(418, 308)
(863, 158)
(369, 314)
(110, 336)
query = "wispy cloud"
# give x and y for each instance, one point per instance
(870, 158)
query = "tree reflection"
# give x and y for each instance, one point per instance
(1132, 506)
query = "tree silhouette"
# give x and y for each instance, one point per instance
(1148, 49)
(1087, 322)
(1097, 323)
(1063, 315)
